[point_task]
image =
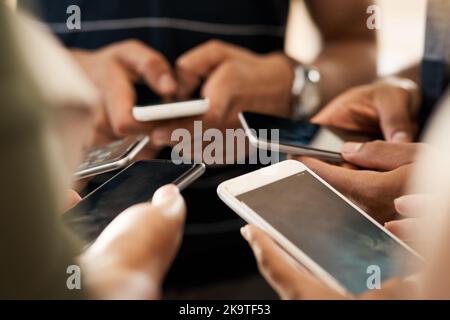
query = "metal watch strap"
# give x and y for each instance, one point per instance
(305, 92)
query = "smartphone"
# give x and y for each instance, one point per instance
(326, 233)
(135, 184)
(110, 157)
(172, 110)
(151, 107)
(296, 138)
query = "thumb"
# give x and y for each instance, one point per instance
(395, 121)
(380, 155)
(145, 237)
(166, 223)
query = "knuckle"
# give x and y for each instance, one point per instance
(133, 43)
(372, 146)
(121, 128)
(215, 44)
(151, 62)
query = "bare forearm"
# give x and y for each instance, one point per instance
(412, 73)
(345, 64)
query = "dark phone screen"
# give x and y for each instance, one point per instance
(291, 133)
(330, 231)
(146, 97)
(135, 184)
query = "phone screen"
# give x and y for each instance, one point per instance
(330, 231)
(135, 184)
(108, 153)
(292, 133)
(148, 98)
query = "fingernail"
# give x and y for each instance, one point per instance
(166, 83)
(169, 199)
(245, 232)
(352, 147)
(400, 136)
(399, 202)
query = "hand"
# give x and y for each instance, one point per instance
(236, 79)
(416, 210)
(114, 69)
(133, 254)
(292, 283)
(72, 200)
(389, 107)
(387, 168)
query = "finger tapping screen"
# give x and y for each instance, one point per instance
(136, 184)
(330, 231)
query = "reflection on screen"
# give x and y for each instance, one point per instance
(293, 133)
(330, 231)
(134, 185)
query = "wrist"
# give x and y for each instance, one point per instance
(283, 78)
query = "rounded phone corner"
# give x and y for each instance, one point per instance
(221, 189)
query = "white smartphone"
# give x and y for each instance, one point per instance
(326, 233)
(172, 110)
(296, 138)
(110, 157)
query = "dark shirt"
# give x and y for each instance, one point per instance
(170, 26)
(436, 60)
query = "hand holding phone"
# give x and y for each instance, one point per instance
(133, 185)
(322, 230)
(151, 107)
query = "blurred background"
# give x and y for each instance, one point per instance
(400, 38)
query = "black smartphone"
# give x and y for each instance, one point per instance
(135, 184)
(296, 138)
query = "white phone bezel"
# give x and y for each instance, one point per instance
(171, 110)
(307, 152)
(229, 190)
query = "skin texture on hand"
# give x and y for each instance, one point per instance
(382, 107)
(384, 172)
(131, 257)
(114, 70)
(235, 79)
(285, 276)
(72, 200)
(416, 211)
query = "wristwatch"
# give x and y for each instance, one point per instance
(306, 98)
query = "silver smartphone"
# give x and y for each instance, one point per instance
(296, 138)
(110, 157)
(135, 184)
